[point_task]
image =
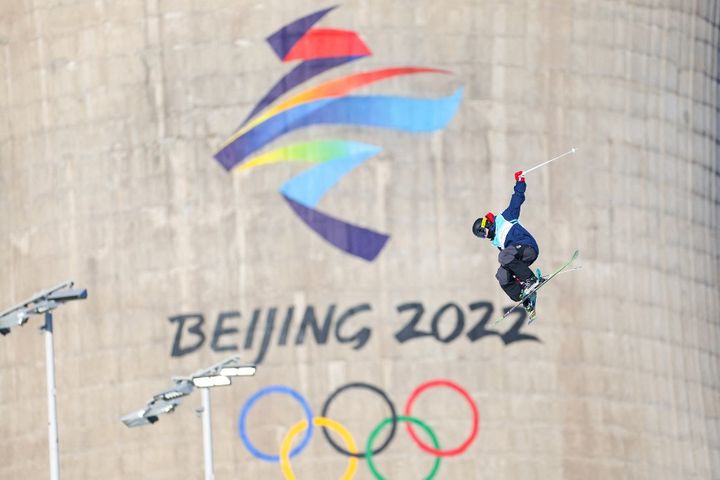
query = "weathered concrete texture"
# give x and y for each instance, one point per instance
(110, 113)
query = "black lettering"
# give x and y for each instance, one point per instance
(409, 331)
(361, 336)
(177, 350)
(269, 324)
(309, 319)
(514, 334)
(220, 330)
(459, 322)
(479, 330)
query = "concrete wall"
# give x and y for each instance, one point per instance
(111, 112)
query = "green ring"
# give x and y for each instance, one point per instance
(376, 432)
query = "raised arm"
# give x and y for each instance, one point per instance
(512, 212)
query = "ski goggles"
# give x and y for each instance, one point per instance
(485, 227)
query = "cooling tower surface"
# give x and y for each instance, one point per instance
(294, 183)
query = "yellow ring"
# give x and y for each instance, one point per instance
(320, 422)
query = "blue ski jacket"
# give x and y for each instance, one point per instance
(508, 230)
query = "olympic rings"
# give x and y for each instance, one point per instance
(372, 388)
(242, 425)
(320, 422)
(394, 420)
(351, 451)
(476, 418)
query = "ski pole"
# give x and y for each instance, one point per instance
(572, 150)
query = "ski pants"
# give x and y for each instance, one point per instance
(515, 262)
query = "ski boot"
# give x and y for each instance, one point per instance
(531, 301)
(529, 305)
(529, 285)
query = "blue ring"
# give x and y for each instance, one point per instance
(257, 396)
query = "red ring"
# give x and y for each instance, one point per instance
(476, 418)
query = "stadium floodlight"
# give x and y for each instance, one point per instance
(211, 381)
(245, 371)
(150, 413)
(166, 401)
(181, 389)
(13, 318)
(39, 303)
(43, 303)
(219, 374)
(163, 402)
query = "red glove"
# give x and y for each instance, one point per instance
(519, 176)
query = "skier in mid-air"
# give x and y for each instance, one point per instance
(518, 249)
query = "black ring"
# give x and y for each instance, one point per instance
(375, 389)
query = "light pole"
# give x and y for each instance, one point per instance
(207, 434)
(43, 303)
(53, 441)
(166, 401)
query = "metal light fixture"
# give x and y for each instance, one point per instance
(150, 414)
(166, 401)
(39, 303)
(220, 374)
(43, 303)
(163, 402)
(211, 381)
(245, 371)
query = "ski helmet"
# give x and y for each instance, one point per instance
(484, 227)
